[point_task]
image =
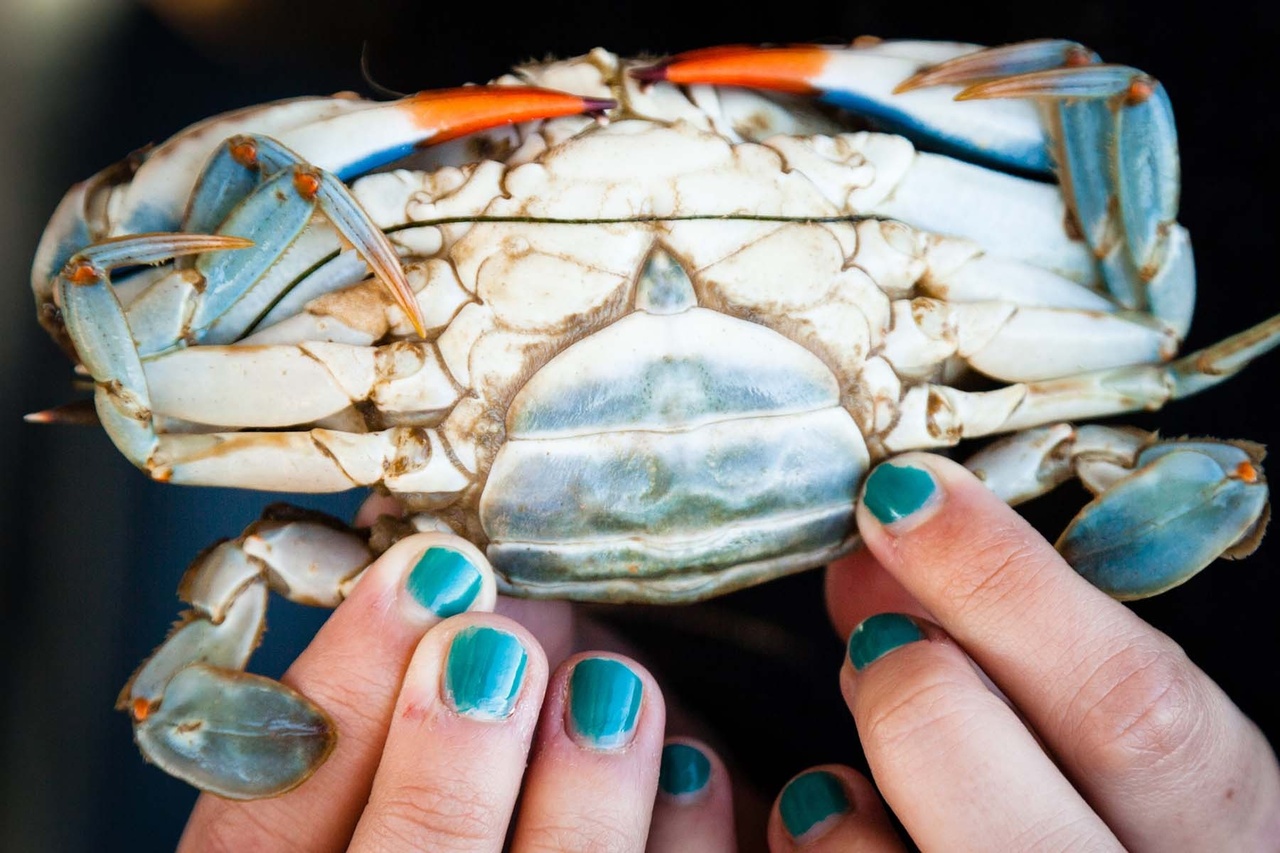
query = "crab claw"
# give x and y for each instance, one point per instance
(1186, 504)
(864, 79)
(236, 734)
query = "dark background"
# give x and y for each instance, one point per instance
(91, 551)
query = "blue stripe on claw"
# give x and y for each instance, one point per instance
(1187, 504)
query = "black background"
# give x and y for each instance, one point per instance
(92, 551)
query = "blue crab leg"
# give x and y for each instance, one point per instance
(195, 712)
(153, 191)
(1163, 511)
(96, 322)
(1117, 146)
(274, 215)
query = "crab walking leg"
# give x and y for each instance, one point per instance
(299, 384)
(343, 136)
(196, 713)
(1020, 344)
(1118, 149)
(96, 322)
(413, 462)
(149, 191)
(234, 296)
(1163, 510)
(940, 416)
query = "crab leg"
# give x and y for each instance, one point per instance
(106, 347)
(1108, 128)
(1117, 147)
(939, 416)
(1020, 344)
(862, 79)
(344, 137)
(195, 712)
(1163, 510)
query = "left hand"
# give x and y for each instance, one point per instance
(1109, 734)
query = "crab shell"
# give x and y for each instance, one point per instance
(662, 407)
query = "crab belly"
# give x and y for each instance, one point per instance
(672, 457)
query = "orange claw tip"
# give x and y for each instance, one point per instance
(456, 112)
(1247, 472)
(140, 709)
(778, 69)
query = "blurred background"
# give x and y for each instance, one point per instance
(91, 552)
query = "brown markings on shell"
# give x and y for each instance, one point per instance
(362, 306)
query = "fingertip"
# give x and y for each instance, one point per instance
(694, 807)
(433, 576)
(830, 807)
(374, 507)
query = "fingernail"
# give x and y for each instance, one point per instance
(604, 700)
(684, 770)
(483, 673)
(444, 581)
(895, 491)
(810, 800)
(878, 635)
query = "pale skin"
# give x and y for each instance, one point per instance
(1034, 713)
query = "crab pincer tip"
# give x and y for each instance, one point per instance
(598, 106)
(80, 413)
(650, 74)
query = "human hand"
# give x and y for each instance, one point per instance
(443, 722)
(1109, 735)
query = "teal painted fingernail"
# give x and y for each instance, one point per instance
(604, 701)
(483, 672)
(895, 491)
(810, 799)
(444, 581)
(878, 635)
(684, 770)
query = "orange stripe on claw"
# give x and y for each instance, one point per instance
(456, 112)
(779, 69)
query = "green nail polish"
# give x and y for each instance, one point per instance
(483, 673)
(878, 635)
(809, 799)
(684, 770)
(895, 491)
(604, 700)
(444, 581)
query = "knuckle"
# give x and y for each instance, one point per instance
(583, 833)
(453, 816)
(1140, 707)
(923, 711)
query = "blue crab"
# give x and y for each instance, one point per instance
(639, 331)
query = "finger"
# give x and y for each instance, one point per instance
(374, 507)
(456, 751)
(1142, 731)
(954, 763)
(594, 771)
(830, 808)
(353, 669)
(857, 586)
(694, 808)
